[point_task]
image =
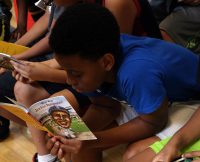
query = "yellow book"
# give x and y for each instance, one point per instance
(54, 115)
(11, 48)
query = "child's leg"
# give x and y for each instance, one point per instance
(145, 156)
(27, 94)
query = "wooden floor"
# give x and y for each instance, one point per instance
(19, 147)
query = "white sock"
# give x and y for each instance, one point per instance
(46, 158)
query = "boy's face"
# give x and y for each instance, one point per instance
(83, 74)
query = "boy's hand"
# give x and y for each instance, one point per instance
(167, 154)
(195, 154)
(62, 147)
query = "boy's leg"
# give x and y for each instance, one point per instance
(138, 147)
(27, 94)
(145, 156)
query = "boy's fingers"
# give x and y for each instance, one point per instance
(68, 141)
(50, 143)
(69, 149)
(55, 148)
(60, 153)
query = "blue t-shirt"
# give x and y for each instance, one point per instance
(150, 70)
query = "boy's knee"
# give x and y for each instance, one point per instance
(22, 91)
(131, 151)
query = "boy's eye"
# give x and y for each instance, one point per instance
(74, 74)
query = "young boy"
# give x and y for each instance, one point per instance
(142, 72)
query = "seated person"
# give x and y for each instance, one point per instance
(26, 96)
(143, 72)
(179, 22)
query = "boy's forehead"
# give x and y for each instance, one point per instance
(72, 61)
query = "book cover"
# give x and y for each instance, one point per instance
(11, 48)
(54, 115)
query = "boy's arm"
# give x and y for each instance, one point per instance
(139, 128)
(38, 29)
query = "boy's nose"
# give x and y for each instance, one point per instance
(71, 81)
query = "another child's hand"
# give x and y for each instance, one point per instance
(195, 154)
(62, 147)
(18, 33)
(2, 70)
(20, 78)
(34, 71)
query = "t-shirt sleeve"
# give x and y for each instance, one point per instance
(143, 85)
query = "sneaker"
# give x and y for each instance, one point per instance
(35, 158)
(4, 128)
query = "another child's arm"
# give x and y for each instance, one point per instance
(187, 134)
(39, 28)
(22, 20)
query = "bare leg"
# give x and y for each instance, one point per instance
(27, 94)
(145, 156)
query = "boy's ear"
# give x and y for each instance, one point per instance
(107, 61)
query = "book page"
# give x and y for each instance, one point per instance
(58, 116)
(22, 113)
(5, 61)
(11, 48)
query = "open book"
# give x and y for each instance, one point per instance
(5, 61)
(6, 51)
(11, 48)
(54, 115)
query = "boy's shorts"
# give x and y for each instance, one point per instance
(157, 146)
(183, 26)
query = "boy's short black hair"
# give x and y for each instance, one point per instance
(88, 30)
